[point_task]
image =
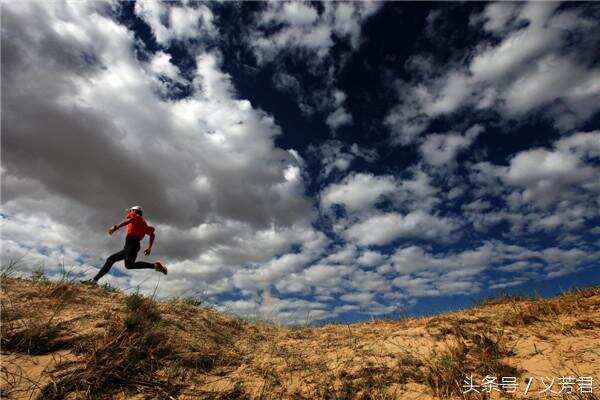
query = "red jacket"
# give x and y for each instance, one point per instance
(137, 226)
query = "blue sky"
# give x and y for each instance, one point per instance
(308, 161)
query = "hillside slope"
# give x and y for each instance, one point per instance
(70, 341)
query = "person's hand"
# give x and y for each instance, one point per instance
(148, 251)
(112, 229)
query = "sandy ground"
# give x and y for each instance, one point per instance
(217, 356)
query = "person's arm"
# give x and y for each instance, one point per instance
(149, 249)
(114, 228)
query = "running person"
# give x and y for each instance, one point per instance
(136, 230)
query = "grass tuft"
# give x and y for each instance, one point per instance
(110, 288)
(38, 275)
(127, 358)
(9, 267)
(32, 337)
(137, 347)
(478, 351)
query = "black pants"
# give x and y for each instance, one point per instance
(129, 254)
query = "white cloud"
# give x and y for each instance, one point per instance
(499, 16)
(293, 13)
(296, 30)
(520, 266)
(418, 191)
(301, 27)
(548, 176)
(519, 48)
(544, 187)
(338, 118)
(217, 205)
(334, 155)
(371, 258)
(349, 16)
(532, 66)
(161, 64)
(442, 149)
(360, 298)
(478, 205)
(450, 94)
(585, 144)
(230, 208)
(287, 83)
(183, 22)
(318, 279)
(381, 229)
(346, 255)
(278, 310)
(428, 274)
(357, 191)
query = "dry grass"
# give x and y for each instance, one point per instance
(139, 353)
(31, 331)
(470, 352)
(121, 346)
(127, 358)
(32, 337)
(503, 298)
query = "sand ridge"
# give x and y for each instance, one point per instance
(67, 340)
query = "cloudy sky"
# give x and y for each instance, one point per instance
(307, 161)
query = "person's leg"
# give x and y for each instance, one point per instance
(118, 256)
(132, 247)
(140, 265)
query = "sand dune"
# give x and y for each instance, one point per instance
(70, 341)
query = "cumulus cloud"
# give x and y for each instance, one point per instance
(542, 165)
(584, 144)
(278, 310)
(161, 65)
(104, 139)
(423, 273)
(339, 116)
(171, 21)
(381, 229)
(442, 149)
(541, 190)
(358, 191)
(498, 17)
(302, 28)
(532, 66)
(303, 33)
(548, 176)
(336, 156)
(371, 258)
(289, 84)
(91, 126)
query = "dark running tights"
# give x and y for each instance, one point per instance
(129, 254)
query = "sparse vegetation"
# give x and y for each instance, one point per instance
(29, 330)
(39, 275)
(503, 298)
(143, 349)
(471, 352)
(139, 353)
(110, 288)
(192, 301)
(9, 267)
(32, 336)
(142, 313)
(130, 345)
(62, 291)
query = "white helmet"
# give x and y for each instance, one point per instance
(137, 209)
